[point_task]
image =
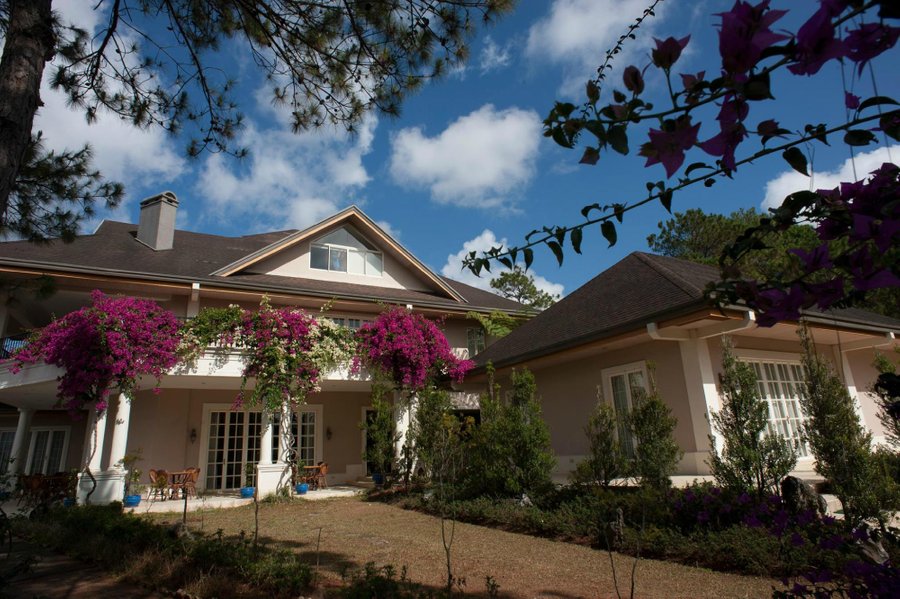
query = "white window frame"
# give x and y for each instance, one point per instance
(607, 375)
(209, 408)
(758, 356)
(349, 250)
(33, 441)
(479, 333)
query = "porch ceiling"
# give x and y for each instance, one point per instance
(40, 396)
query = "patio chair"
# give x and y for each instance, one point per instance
(190, 483)
(321, 482)
(159, 484)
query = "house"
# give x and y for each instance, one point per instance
(597, 344)
(345, 261)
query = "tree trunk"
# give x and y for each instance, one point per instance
(29, 45)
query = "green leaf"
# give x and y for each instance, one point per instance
(609, 232)
(596, 127)
(505, 262)
(618, 97)
(593, 92)
(560, 137)
(564, 109)
(796, 159)
(694, 166)
(875, 101)
(575, 236)
(557, 251)
(859, 137)
(618, 139)
(619, 211)
(587, 209)
(590, 156)
(528, 253)
(665, 199)
(890, 124)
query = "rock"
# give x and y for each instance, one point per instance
(524, 501)
(180, 531)
(801, 497)
(868, 539)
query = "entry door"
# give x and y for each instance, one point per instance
(48, 450)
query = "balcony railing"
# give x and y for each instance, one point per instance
(12, 344)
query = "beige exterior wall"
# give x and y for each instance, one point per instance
(294, 262)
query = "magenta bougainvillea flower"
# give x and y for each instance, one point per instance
(669, 146)
(870, 40)
(668, 51)
(744, 33)
(105, 346)
(408, 348)
(816, 44)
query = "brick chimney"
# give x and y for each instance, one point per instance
(156, 227)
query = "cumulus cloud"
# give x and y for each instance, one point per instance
(577, 33)
(479, 160)
(493, 57)
(289, 180)
(485, 241)
(790, 181)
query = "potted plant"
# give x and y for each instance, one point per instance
(132, 479)
(301, 488)
(71, 488)
(248, 491)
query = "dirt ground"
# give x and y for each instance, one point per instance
(354, 532)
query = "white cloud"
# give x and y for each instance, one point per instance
(289, 180)
(577, 33)
(479, 160)
(485, 241)
(790, 181)
(493, 57)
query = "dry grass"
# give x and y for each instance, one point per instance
(355, 532)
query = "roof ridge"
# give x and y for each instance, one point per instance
(672, 276)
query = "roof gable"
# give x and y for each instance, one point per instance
(350, 225)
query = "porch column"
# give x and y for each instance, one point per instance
(703, 399)
(842, 365)
(18, 452)
(120, 433)
(403, 415)
(93, 439)
(265, 442)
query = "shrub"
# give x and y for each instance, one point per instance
(605, 460)
(381, 433)
(428, 428)
(887, 392)
(652, 425)
(510, 451)
(836, 438)
(749, 460)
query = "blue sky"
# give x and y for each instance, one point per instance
(465, 165)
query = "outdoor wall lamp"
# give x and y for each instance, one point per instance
(193, 435)
(328, 433)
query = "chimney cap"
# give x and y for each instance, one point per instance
(166, 196)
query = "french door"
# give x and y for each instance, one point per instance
(234, 440)
(47, 453)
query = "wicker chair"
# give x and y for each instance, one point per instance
(159, 484)
(320, 480)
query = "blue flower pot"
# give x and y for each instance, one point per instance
(69, 502)
(378, 479)
(132, 501)
(301, 488)
(247, 492)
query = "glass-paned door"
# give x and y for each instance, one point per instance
(625, 386)
(6, 443)
(225, 457)
(235, 440)
(780, 384)
(47, 452)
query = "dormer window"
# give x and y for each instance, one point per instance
(344, 250)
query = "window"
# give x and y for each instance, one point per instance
(780, 382)
(345, 251)
(47, 452)
(475, 340)
(621, 385)
(6, 443)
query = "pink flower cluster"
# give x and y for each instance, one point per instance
(109, 344)
(409, 348)
(278, 342)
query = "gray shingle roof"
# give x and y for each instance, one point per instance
(638, 289)
(113, 247)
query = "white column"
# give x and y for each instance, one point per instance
(403, 414)
(18, 453)
(843, 363)
(120, 433)
(93, 439)
(703, 399)
(265, 443)
(284, 448)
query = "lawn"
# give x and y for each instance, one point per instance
(354, 532)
